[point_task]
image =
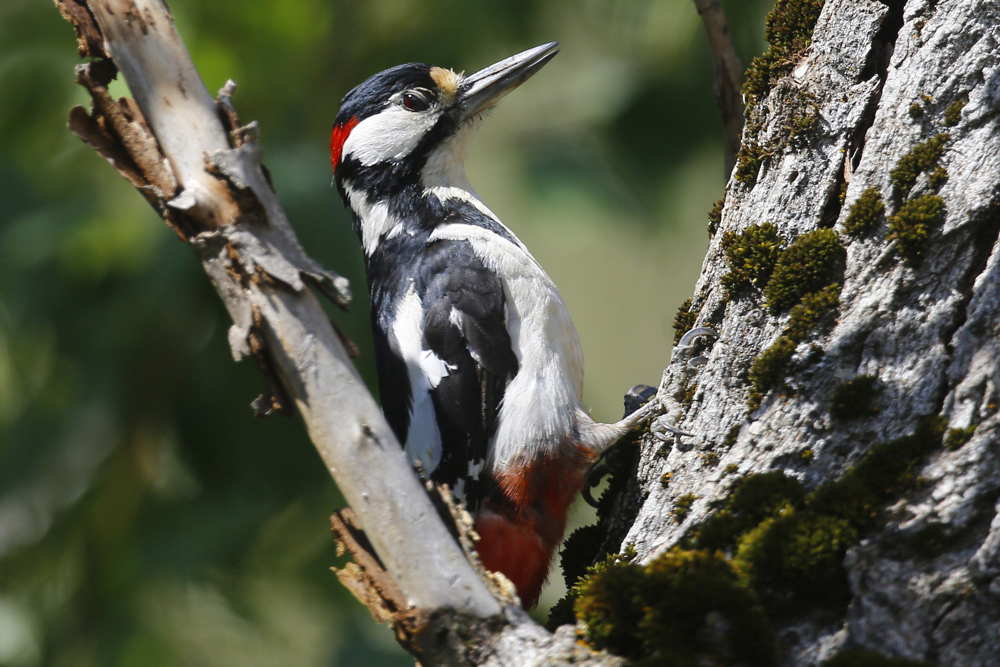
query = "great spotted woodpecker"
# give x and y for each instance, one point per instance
(479, 366)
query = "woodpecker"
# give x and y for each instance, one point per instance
(479, 365)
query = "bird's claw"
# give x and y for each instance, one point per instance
(696, 333)
(592, 479)
(638, 397)
(659, 426)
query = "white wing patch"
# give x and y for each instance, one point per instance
(455, 319)
(434, 368)
(459, 490)
(475, 469)
(425, 371)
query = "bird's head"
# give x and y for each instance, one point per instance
(412, 125)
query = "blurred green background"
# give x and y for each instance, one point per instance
(146, 518)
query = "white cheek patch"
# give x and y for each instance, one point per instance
(387, 136)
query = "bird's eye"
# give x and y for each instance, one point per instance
(413, 101)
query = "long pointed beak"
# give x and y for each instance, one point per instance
(485, 88)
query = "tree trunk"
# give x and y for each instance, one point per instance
(891, 400)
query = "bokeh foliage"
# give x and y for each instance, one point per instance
(146, 518)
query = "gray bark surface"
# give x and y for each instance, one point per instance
(929, 332)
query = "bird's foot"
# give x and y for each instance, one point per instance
(662, 427)
(682, 352)
(642, 402)
(639, 402)
(637, 397)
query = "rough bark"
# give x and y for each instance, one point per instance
(880, 78)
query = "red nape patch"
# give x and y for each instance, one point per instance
(337, 139)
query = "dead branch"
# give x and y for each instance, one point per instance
(728, 75)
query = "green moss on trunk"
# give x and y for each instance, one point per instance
(787, 550)
(864, 213)
(910, 226)
(684, 320)
(853, 399)
(748, 161)
(788, 30)
(685, 608)
(682, 506)
(953, 115)
(715, 217)
(807, 265)
(920, 158)
(752, 255)
(957, 437)
(768, 369)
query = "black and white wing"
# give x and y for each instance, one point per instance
(445, 358)
(465, 326)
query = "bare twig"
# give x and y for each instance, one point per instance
(728, 75)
